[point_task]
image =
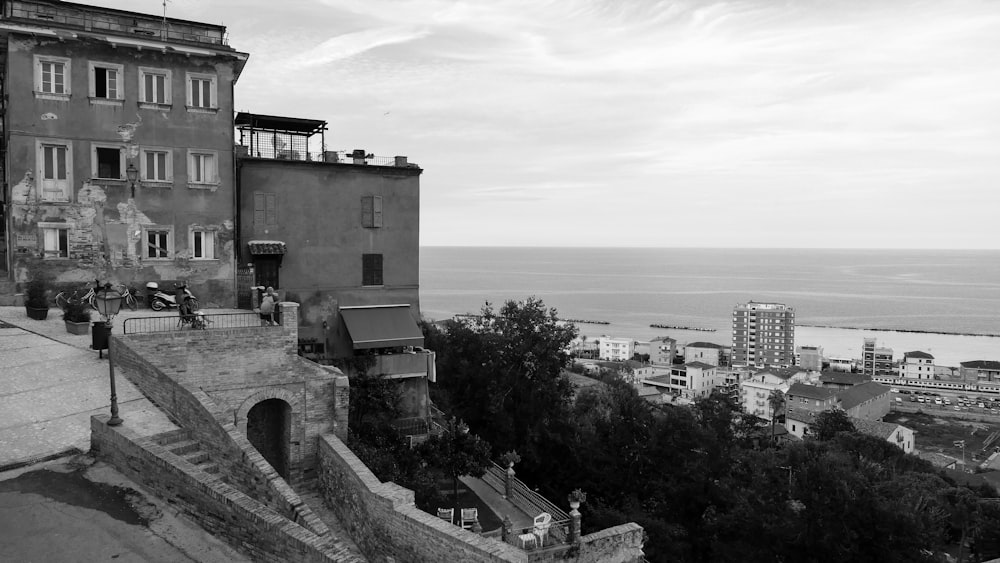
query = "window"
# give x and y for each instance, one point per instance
(55, 170)
(202, 168)
(202, 244)
(159, 242)
(371, 269)
(106, 81)
(371, 212)
(201, 91)
(264, 208)
(157, 165)
(154, 86)
(52, 77)
(55, 240)
(106, 162)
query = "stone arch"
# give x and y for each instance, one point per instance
(295, 420)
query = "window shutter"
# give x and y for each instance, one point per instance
(367, 216)
(377, 211)
(259, 215)
(272, 209)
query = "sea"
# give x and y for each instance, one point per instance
(952, 297)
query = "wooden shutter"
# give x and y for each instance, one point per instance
(367, 212)
(272, 208)
(377, 211)
(258, 208)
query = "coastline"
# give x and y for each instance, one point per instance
(914, 331)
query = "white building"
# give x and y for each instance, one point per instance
(809, 357)
(662, 351)
(616, 349)
(705, 352)
(917, 365)
(756, 389)
(897, 435)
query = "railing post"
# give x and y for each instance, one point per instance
(508, 481)
(574, 522)
(507, 529)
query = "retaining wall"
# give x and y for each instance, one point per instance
(219, 508)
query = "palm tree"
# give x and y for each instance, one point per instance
(776, 400)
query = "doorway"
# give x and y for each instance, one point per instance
(269, 428)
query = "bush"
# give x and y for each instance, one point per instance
(77, 311)
(36, 291)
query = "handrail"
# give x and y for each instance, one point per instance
(173, 323)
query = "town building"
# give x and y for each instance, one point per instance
(809, 357)
(917, 365)
(875, 360)
(662, 351)
(977, 371)
(118, 143)
(706, 352)
(896, 434)
(756, 389)
(803, 402)
(338, 233)
(841, 364)
(616, 349)
(763, 335)
(869, 400)
(691, 381)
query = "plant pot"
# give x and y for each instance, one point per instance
(37, 313)
(77, 328)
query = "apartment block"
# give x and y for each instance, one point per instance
(917, 365)
(616, 349)
(763, 335)
(875, 360)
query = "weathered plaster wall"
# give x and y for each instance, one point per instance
(105, 222)
(319, 211)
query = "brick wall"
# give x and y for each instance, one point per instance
(384, 521)
(219, 508)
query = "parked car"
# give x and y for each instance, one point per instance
(893, 390)
(958, 408)
(938, 401)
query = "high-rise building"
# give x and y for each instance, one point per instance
(763, 335)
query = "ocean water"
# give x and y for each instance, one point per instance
(853, 290)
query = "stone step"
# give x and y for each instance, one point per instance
(196, 458)
(208, 467)
(172, 436)
(183, 447)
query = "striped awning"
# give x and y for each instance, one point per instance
(258, 247)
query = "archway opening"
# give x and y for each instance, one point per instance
(269, 429)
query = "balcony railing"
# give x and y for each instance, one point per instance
(300, 154)
(172, 323)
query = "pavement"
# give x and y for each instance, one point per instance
(51, 382)
(497, 502)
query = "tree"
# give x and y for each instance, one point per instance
(457, 452)
(776, 400)
(827, 424)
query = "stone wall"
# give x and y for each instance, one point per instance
(219, 508)
(384, 521)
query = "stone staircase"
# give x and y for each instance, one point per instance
(179, 443)
(341, 544)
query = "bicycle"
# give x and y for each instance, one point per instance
(62, 298)
(128, 296)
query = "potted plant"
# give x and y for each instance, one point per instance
(36, 295)
(77, 316)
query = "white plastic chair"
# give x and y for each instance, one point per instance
(447, 514)
(469, 517)
(541, 529)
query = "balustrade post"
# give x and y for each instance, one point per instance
(507, 529)
(574, 522)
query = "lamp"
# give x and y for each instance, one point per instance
(108, 302)
(132, 174)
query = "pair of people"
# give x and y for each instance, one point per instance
(267, 305)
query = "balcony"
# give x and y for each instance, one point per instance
(398, 366)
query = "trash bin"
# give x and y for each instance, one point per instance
(99, 335)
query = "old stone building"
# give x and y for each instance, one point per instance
(118, 145)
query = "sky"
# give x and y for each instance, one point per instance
(643, 123)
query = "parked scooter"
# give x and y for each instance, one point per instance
(160, 300)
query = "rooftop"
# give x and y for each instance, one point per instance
(981, 364)
(875, 428)
(858, 394)
(706, 345)
(700, 365)
(783, 373)
(810, 392)
(918, 354)
(843, 378)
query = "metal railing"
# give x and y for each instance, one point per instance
(529, 502)
(264, 151)
(174, 323)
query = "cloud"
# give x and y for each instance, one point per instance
(351, 44)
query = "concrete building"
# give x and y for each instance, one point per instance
(662, 351)
(691, 381)
(706, 352)
(917, 365)
(876, 361)
(980, 371)
(840, 380)
(118, 137)
(869, 400)
(845, 365)
(756, 389)
(809, 357)
(896, 434)
(802, 404)
(616, 349)
(339, 234)
(763, 335)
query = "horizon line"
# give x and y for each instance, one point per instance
(611, 247)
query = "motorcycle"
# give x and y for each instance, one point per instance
(160, 300)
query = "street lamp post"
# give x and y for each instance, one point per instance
(108, 302)
(132, 174)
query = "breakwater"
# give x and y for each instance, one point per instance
(912, 331)
(672, 327)
(586, 322)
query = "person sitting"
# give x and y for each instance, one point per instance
(267, 308)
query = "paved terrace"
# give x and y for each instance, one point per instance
(52, 382)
